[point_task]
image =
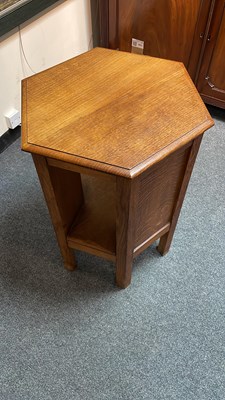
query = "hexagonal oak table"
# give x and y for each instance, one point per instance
(114, 137)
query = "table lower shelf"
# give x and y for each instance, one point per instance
(94, 228)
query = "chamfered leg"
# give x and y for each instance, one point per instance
(62, 201)
(125, 228)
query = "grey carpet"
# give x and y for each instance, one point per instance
(76, 336)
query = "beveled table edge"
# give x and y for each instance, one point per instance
(114, 169)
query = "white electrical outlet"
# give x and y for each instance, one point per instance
(13, 119)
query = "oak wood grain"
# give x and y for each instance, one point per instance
(114, 153)
(68, 194)
(126, 207)
(151, 239)
(157, 193)
(69, 111)
(77, 168)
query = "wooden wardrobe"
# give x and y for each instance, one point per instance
(190, 31)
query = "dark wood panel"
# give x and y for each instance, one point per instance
(103, 22)
(166, 27)
(211, 82)
(170, 29)
(192, 32)
(95, 20)
(113, 24)
(199, 39)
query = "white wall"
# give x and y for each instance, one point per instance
(59, 34)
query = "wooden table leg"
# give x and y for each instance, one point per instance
(125, 228)
(50, 180)
(165, 240)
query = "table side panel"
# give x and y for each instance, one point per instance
(157, 194)
(68, 193)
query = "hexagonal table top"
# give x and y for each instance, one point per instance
(112, 111)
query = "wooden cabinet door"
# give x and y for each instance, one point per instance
(211, 80)
(172, 29)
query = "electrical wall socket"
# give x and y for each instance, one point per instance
(13, 119)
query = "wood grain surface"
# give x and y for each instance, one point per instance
(111, 111)
(170, 29)
(211, 80)
(96, 121)
(158, 191)
(53, 200)
(166, 239)
(94, 228)
(167, 27)
(126, 211)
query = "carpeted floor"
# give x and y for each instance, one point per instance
(75, 336)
